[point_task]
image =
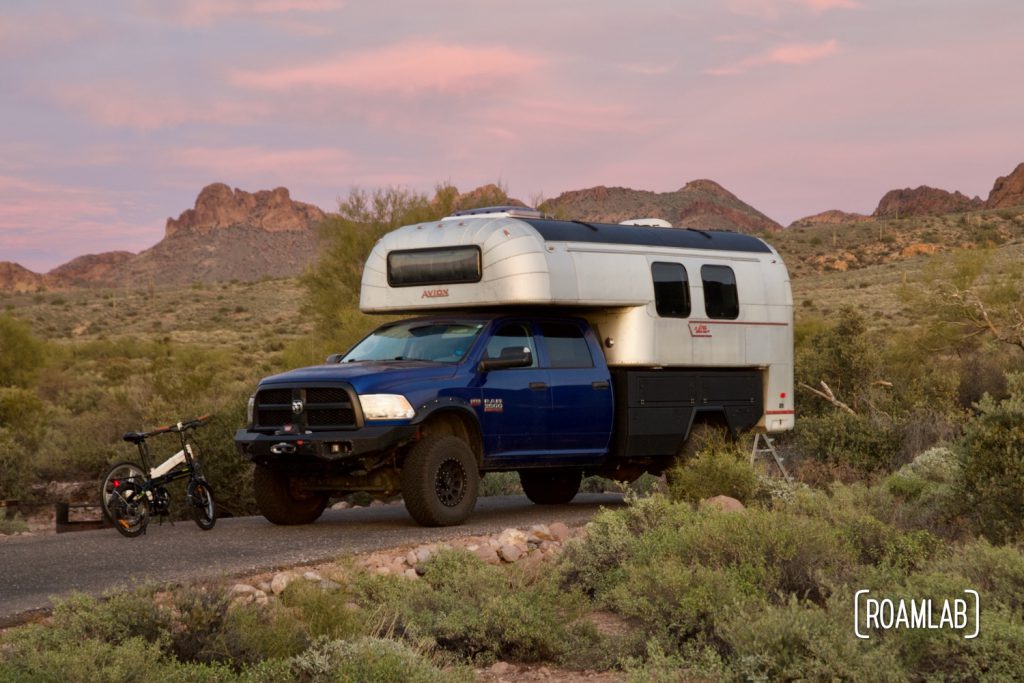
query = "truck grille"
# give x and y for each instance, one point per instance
(323, 408)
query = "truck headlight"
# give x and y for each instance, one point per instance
(251, 409)
(386, 407)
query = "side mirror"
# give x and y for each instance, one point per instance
(334, 358)
(511, 357)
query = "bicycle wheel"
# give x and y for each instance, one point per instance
(204, 508)
(124, 498)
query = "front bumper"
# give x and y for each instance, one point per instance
(322, 446)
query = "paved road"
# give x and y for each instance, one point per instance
(35, 569)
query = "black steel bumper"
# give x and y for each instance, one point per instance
(322, 446)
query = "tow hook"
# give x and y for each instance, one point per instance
(282, 448)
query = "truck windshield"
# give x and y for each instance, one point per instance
(440, 342)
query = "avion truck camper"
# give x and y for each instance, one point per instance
(552, 348)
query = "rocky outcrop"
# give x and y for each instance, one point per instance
(16, 278)
(699, 204)
(924, 201)
(831, 217)
(218, 206)
(89, 269)
(1008, 190)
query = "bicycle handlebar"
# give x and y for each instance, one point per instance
(194, 423)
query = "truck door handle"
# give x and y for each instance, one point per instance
(538, 386)
(599, 385)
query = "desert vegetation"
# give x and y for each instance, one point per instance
(907, 456)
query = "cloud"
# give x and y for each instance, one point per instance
(263, 167)
(207, 12)
(44, 224)
(776, 9)
(406, 68)
(127, 105)
(790, 54)
(648, 69)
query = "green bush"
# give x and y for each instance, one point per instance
(801, 641)
(991, 454)
(369, 660)
(867, 445)
(719, 469)
(22, 354)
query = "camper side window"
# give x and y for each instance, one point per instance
(720, 297)
(671, 290)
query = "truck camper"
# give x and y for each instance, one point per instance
(553, 348)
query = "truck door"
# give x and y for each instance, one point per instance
(516, 402)
(580, 421)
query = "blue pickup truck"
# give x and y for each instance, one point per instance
(550, 384)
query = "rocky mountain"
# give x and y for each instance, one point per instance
(924, 201)
(1008, 190)
(15, 278)
(698, 204)
(831, 217)
(88, 269)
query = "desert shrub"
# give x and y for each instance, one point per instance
(369, 660)
(719, 469)
(779, 552)
(868, 445)
(22, 354)
(478, 612)
(230, 474)
(500, 484)
(324, 614)
(997, 572)
(802, 641)
(991, 480)
(945, 655)
(697, 662)
(14, 466)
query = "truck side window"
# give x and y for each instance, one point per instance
(566, 346)
(515, 336)
(671, 290)
(720, 297)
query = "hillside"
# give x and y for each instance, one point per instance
(698, 204)
(231, 234)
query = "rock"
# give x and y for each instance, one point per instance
(411, 559)
(724, 504)
(1008, 190)
(377, 503)
(510, 553)
(487, 555)
(242, 593)
(312, 576)
(423, 554)
(500, 669)
(281, 581)
(343, 505)
(560, 532)
(511, 537)
(410, 574)
(924, 201)
(541, 532)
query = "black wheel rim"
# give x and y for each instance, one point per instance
(451, 483)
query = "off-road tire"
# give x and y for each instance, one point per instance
(440, 480)
(280, 503)
(551, 486)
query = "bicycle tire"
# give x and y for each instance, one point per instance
(124, 500)
(203, 503)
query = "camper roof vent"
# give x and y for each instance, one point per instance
(648, 222)
(498, 212)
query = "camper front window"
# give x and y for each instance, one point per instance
(439, 342)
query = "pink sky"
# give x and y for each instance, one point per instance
(118, 114)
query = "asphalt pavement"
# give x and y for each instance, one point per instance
(36, 569)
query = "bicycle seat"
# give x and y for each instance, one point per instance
(134, 437)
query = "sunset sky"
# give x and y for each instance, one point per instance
(115, 114)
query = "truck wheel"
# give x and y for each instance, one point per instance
(550, 487)
(280, 503)
(440, 479)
